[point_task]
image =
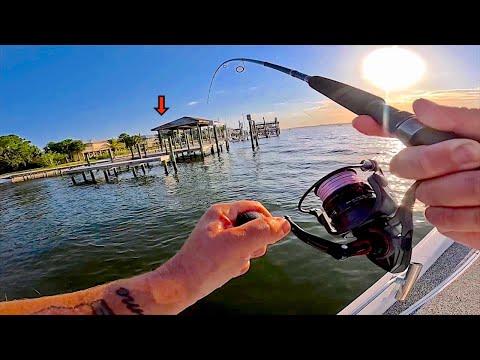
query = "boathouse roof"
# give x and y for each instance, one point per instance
(186, 122)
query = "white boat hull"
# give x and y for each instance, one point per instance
(377, 299)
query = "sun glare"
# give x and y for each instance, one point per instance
(393, 68)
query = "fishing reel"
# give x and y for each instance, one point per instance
(367, 211)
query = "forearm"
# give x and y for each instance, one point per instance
(163, 291)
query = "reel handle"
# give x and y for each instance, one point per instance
(246, 217)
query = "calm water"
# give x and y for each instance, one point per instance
(55, 237)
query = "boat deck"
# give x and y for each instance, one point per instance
(449, 283)
(461, 297)
(433, 277)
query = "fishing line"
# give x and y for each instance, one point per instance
(240, 69)
(298, 107)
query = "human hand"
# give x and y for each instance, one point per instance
(217, 251)
(450, 170)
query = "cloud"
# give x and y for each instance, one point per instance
(193, 103)
(302, 102)
(322, 106)
(469, 98)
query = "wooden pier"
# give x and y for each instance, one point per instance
(267, 129)
(262, 130)
(111, 170)
(180, 140)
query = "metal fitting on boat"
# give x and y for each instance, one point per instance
(413, 272)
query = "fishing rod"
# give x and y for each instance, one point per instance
(383, 230)
(402, 124)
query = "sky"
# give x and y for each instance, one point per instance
(50, 93)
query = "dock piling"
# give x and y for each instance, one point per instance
(249, 118)
(172, 155)
(188, 145)
(227, 145)
(93, 177)
(216, 138)
(106, 176)
(200, 141)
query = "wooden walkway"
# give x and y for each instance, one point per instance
(112, 169)
(115, 167)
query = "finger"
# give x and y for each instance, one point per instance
(462, 121)
(427, 161)
(230, 211)
(368, 126)
(454, 219)
(257, 233)
(470, 239)
(259, 252)
(455, 190)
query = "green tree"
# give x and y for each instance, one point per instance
(67, 146)
(54, 147)
(75, 146)
(130, 141)
(47, 159)
(17, 154)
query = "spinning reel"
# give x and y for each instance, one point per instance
(366, 210)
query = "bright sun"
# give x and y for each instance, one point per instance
(393, 68)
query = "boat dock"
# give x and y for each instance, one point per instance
(180, 140)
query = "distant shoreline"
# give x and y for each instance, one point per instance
(309, 126)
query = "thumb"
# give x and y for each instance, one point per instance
(257, 233)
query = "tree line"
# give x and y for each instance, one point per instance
(17, 154)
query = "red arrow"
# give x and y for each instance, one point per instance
(161, 109)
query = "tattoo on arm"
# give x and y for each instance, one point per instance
(129, 301)
(97, 307)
